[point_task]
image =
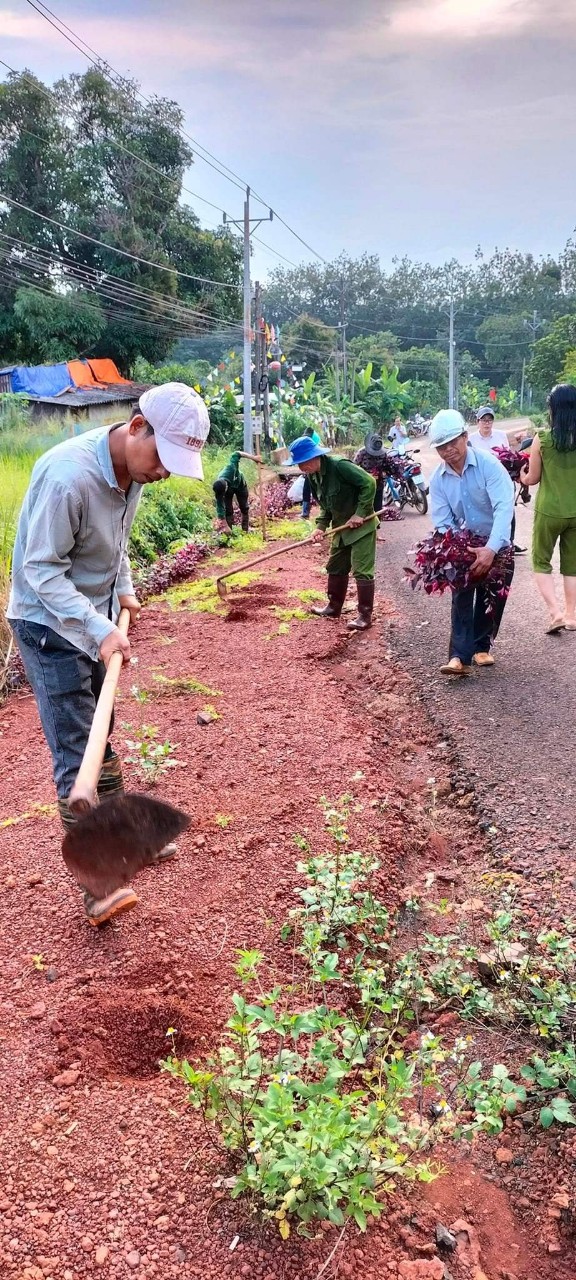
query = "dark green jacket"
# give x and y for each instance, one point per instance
(235, 481)
(343, 490)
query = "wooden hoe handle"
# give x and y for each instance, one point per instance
(291, 546)
(84, 794)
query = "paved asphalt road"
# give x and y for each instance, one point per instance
(514, 724)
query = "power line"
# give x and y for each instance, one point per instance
(223, 169)
(132, 310)
(13, 278)
(184, 275)
(114, 143)
(47, 257)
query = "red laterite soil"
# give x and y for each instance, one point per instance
(103, 1169)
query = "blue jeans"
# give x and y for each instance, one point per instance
(66, 684)
(473, 629)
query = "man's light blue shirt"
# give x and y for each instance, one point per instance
(481, 499)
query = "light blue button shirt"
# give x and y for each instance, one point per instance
(481, 499)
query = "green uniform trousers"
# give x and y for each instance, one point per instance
(547, 531)
(358, 557)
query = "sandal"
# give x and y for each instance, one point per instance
(558, 624)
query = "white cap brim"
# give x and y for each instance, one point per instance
(178, 459)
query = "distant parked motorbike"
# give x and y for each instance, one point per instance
(405, 484)
(418, 426)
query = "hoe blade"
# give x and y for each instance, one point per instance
(111, 844)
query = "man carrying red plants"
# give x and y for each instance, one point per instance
(471, 490)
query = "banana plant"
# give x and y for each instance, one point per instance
(386, 396)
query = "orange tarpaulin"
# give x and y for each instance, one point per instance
(81, 373)
(106, 371)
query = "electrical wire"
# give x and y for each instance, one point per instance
(184, 275)
(221, 168)
(13, 278)
(124, 288)
(120, 146)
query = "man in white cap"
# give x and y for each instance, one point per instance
(471, 491)
(71, 575)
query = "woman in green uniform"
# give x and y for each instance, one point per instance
(345, 494)
(553, 466)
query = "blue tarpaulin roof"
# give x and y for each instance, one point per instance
(41, 379)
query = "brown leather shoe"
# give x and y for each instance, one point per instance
(455, 667)
(483, 659)
(100, 910)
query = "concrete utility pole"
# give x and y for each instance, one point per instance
(245, 226)
(247, 361)
(451, 355)
(522, 384)
(342, 328)
(258, 363)
(533, 325)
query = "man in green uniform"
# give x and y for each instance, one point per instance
(346, 496)
(230, 484)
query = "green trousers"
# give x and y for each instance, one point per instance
(358, 558)
(546, 532)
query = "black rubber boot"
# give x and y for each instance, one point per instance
(337, 588)
(365, 605)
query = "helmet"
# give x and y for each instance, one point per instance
(373, 445)
(303, 450)
(447, 425)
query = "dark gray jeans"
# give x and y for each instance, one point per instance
(66, 684)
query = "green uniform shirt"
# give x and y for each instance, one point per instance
(557, 490)
(343, 490)
(235, 481)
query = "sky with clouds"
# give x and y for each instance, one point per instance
(418, 127)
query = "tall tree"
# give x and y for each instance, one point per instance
(550, 352)
(92, 155)
(309, 342)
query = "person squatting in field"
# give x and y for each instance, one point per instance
(230, 484)
(345, 494)
(71, 576)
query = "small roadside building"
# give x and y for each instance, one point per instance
(89, 391)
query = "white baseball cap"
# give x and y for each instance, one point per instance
(447, 425)
(180, 421)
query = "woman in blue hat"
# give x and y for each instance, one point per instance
(345, 494)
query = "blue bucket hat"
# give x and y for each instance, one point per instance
(303, 450)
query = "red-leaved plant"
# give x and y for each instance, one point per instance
(512, 460)
(442, 562)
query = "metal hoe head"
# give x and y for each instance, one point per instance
(113, 842)
(221, 588)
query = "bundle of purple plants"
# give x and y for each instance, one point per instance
(512, 460)
(169, 570)
(394, 467)
(443, 561)
(276, 502)
(391, 513)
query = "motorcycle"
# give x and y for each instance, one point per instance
(418, 426)
(406, 484)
